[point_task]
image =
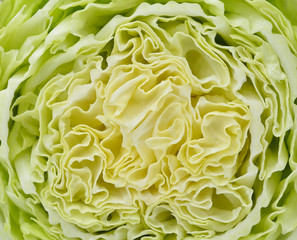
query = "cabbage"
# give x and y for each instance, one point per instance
(133, 119)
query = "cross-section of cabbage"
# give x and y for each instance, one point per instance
(169, 123)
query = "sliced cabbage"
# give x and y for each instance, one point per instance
(148, 119)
